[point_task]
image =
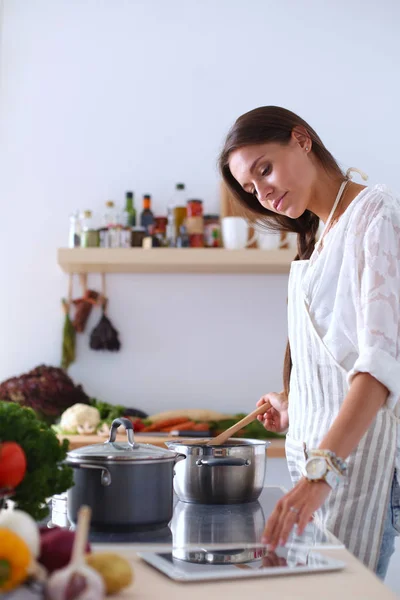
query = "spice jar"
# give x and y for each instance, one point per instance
(160, 230)
(89, 235)
(212, 231)
(137, 235)
(194, 219)
(196, 240)
(194, 208)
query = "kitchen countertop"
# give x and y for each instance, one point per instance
(230, 529)
(355, 581)
(226, 526)
(275, 450)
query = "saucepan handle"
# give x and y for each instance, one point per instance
(128, 428)
(222, 462)
(105, 473)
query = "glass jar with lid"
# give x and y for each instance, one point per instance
(89, 235)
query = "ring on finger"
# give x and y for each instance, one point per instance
(293, 509)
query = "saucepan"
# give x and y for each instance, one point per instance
(127, 485)
(230, 473)
(221, 470)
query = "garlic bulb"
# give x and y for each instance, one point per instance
(75, 582)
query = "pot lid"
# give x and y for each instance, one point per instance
(112, 451)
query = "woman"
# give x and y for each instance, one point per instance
(342, 364)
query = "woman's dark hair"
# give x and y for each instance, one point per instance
(275, 124)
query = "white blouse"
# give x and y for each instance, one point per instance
(352, 289)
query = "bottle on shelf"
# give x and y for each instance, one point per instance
(147, 216)
(183, 241)
(74, 239)
(176, 212)
(128, 221)
(112, 224)
(129, 213)
(170, 234)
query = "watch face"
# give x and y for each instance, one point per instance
(316, 467)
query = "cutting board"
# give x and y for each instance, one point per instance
(275, 450)
(77, 441)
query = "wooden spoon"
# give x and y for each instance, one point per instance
(222, 437)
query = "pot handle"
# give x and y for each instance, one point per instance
(128, 428)
(223, 462)
(105, 473)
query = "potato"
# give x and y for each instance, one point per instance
(116, 571)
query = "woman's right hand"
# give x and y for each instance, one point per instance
(276, 418)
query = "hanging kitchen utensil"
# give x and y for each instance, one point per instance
(84, 305)
(104, 336)
(69, 334)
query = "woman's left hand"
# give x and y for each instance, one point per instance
(295, 508)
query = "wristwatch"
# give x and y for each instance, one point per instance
(317, 469)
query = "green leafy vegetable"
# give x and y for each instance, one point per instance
(46, 473)
(108, 412)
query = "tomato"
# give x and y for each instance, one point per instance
(137, 423)
(138, 426)
(12, 464)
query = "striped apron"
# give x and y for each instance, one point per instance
(356, 511)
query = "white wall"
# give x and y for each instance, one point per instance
(98, 97)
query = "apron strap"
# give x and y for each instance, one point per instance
(354, 170)
(337, 200)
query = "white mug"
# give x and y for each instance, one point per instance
(235, 231)
(269, 240)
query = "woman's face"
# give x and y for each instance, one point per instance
(280, 176)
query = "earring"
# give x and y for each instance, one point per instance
(306, 147)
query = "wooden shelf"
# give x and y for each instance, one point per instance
(173, 260)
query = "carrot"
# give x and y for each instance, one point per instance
(181, 426)
(201, 427)
(159, 425)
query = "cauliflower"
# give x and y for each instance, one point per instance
(80, 418)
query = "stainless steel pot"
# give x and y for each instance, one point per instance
(201, 526)
(127, 485)
(228, 474)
